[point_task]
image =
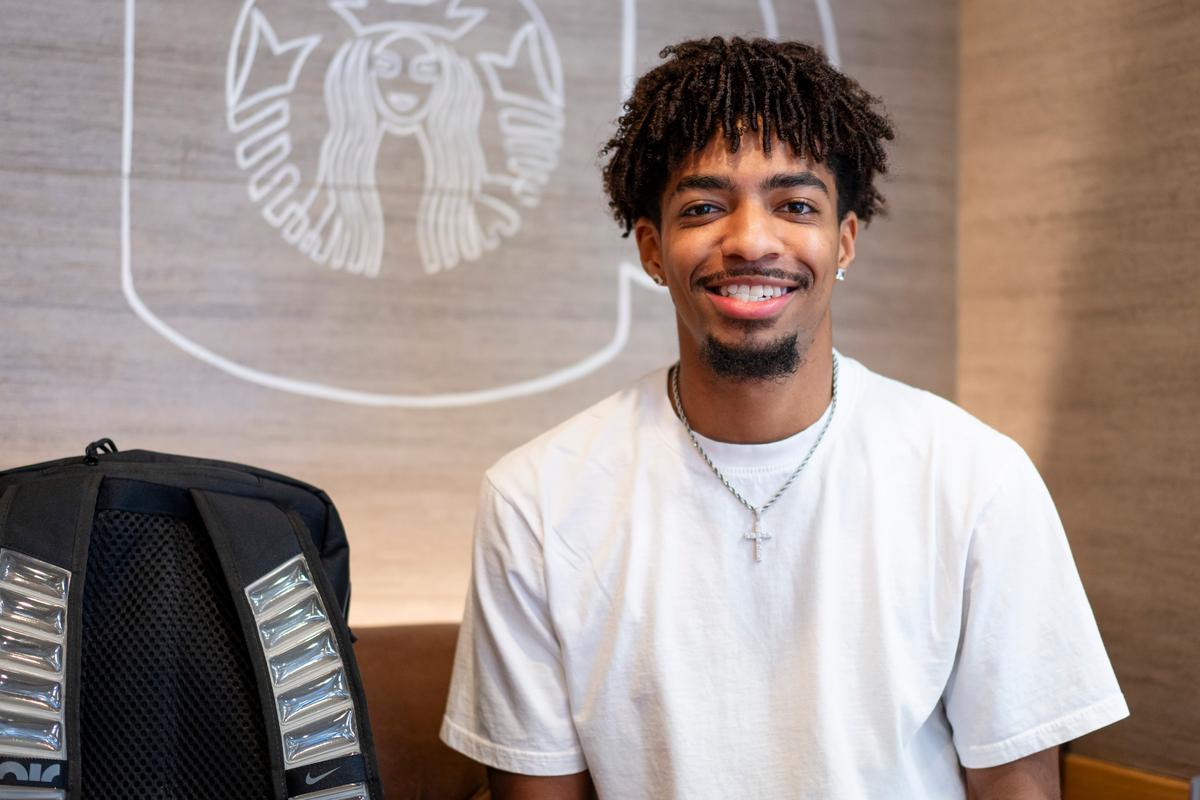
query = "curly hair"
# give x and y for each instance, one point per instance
(785, 91)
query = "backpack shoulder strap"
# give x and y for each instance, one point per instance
(45, 527)
(313, 703)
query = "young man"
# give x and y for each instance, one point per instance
(768, 572)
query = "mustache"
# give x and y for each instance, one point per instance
(802, 279)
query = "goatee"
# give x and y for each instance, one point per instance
(770, 361)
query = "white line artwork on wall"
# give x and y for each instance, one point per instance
(398, 73)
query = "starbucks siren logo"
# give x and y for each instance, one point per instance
(399, 71)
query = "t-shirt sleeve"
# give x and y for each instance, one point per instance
(508, 705)
(1031, 672)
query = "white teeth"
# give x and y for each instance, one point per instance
(752, 293)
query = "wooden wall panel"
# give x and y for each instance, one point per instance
(77, 363)
(1079, 278)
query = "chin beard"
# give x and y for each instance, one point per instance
(770, 361)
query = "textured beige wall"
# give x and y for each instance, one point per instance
(77, 363)
(1079, 283)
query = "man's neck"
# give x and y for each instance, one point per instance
(754, 412)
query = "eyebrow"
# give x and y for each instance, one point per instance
(788, 180)
(792, 180)
(711, 182)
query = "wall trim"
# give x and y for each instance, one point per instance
(1085, 778)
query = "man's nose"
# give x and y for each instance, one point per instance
(750, 234)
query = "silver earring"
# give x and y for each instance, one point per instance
(658, 279)
(840, 274)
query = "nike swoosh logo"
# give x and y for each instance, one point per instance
(310, 780)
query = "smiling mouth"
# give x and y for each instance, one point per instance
(753, 298)
(755, 284)
(751, 292)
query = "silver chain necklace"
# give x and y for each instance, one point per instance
(758, 535)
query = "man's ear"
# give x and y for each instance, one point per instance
(847, 233)
(649, 244)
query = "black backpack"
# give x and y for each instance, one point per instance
(175, 627)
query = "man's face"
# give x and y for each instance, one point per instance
(748, 246)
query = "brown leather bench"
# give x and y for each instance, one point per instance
(406, 674)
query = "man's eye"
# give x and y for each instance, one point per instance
(798, 207)
(699, 210)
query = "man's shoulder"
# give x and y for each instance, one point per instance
(595, 438)
(921, 421)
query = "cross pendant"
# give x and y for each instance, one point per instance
(759, 536)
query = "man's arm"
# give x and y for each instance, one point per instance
(1034, 777)
(511, 786)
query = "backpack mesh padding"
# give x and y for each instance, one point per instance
(168, 703)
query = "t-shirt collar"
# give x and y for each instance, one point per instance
(766, 457)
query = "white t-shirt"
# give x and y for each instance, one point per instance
(916, 607)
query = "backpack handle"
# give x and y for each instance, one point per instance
(92, 453)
